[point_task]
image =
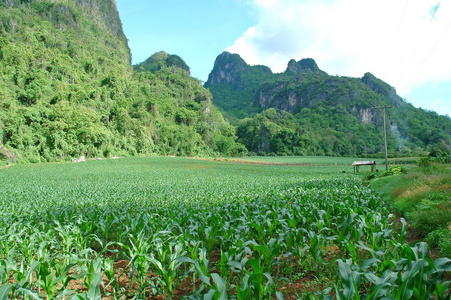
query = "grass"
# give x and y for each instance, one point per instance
(423, 196)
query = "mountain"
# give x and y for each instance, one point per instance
(305, 111)
(160, 60)
(67, 88)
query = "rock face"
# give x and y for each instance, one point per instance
(365, 115)
(278, 98)
(382, 88)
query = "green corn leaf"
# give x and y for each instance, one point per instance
(441, 288)
(81, 296)
(94, 291)
(404, 291)
(379, 291)
(65, 293)
(203, 277)
(4, 291)
(209, 296)
(442, 264)
(184, 259)
(31, 294)
(369, 263)
(220, 285)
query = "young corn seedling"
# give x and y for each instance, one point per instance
(23, 284)
(137, 253)
(108, 270)
(316, 241)
(94, 292)
(166, 265)
(93, 268)
(218, 290)
(201, 266)
(269, 254)
(210, 238)
(260, 281)
(193, 251)
(53, 277)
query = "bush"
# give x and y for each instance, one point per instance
(397, 170)
(424, 162)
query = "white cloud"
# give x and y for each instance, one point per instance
(436, 103)
(401, 44)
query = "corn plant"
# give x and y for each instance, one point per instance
(166, 264)
(413, 276)
(201, 269)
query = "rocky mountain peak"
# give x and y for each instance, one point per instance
(306, 66)
(227, 68)
(381, 87)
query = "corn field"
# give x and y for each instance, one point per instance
(175, 228)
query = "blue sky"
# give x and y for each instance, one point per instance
(405, 43)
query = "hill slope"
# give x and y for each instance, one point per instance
(67, 88)
(306, 111)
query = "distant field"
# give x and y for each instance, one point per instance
(311, 160)
(148, 228)
(144, 179)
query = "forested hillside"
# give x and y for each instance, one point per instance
(305, 111)
(67, 88)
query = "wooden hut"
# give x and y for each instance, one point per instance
(357, 164)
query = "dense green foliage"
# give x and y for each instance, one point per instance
(160, 60)
(308, 133)
(67, 89)
(224, 230)
(306, 111)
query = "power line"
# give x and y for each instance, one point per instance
(427, 56)
(415, 70)
(403, 13)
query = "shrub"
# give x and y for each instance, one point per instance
(424, 162)
(397, 170)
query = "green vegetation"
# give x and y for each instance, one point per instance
(177, 227)
(304, 111)
(309, 133)
(160, 60)
(423, 197)
(67, 89)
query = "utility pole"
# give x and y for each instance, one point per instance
(385, 131)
